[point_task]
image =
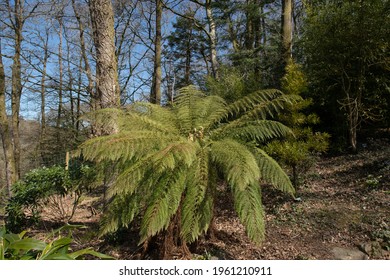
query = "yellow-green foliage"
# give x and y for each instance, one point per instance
(168, 161)
(297, 149)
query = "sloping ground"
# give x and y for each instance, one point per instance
(344, 211)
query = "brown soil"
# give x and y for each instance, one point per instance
(344, 201)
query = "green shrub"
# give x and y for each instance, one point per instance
(31, 193)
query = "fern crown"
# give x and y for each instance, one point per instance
(169, 160)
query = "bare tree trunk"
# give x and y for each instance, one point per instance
(287, 29)
(249, 30)
(10, 168)
(102, 19)
(17, 83)
(155, 96)
(87, 67)
(61, 73)
(107, 86)
(213, 39)
(42, 134)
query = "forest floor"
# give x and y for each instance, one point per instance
(342, 212)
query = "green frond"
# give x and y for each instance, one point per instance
(123, 145)
(261, 104)
(272, 173)
(173, 155)
(150, 117)
(249, 208)
(193, 221)
(237, 163)
(120, 213)
(163, 204)
(130, 178)
(107, 117)
(212, 111)
(260, 131)
(188, 106)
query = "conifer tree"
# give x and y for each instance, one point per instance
(297, 149)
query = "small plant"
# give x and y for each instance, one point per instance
(21, 247)
(373, 182)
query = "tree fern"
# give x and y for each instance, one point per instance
(168, 161)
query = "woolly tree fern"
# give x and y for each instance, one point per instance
(168, 161)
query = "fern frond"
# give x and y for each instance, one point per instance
(188, 106)
(249, 208)
(272, 173)
(261, 130)
(150, 117)
(120, 213)
(213, 109)
(237, 163)
(123, 145)
(261, 104)
(163, 204)
(173, 155)
(194, 201)
(107, 117)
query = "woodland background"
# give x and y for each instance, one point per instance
(63, 59)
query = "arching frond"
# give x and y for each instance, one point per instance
(107, 117)
(237, 163)
(196, 200)
(123, 145)
(120, 213)
(150, 117)
(273, 173)
(212, 111)
(261, 104)
(188, 107)
(261, 130)
(163, 204)
(250, 211)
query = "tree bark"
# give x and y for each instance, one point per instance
(102, 19)
(17, 83)
(287, 29)
(10, 167)
(155, 96)
(61, 73)
(42, 134)
(213, 39)
(107, 86)
(87, 67)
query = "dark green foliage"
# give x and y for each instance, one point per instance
(168, 161)
(22, 247)
(346, 51)
(31, 193)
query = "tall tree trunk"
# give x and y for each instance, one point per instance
(287, 29)
(61, 73)
(102, 18)
(42, 134)
(10, 168)
(87, 67)
(17, 82)
(213, 38)
(107, 86)
(155, 96)
(249, 30)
